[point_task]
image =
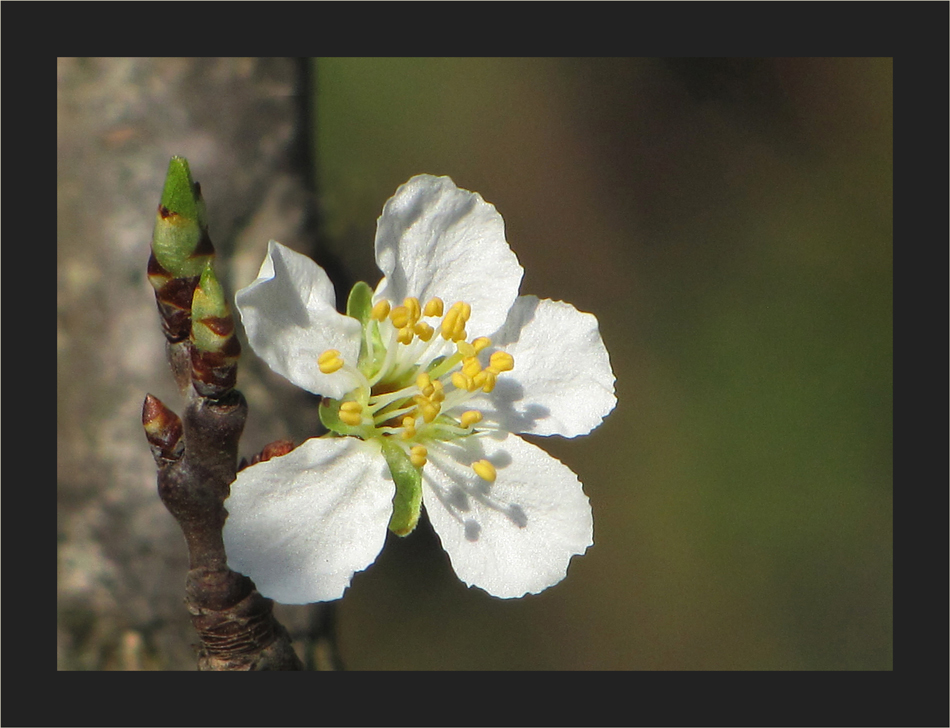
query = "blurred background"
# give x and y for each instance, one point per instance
(727, 220)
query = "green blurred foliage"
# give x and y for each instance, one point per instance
(729, 222)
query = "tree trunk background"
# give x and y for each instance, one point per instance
(242, 123)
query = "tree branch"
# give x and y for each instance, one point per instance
(197, 458)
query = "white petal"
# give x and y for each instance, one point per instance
(513, 536)
(290, 318)
(300, 525)
(562, 382)
(434, 239)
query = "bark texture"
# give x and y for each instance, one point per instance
(121, 559)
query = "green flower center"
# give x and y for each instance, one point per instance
(416, 375)
(417, 370)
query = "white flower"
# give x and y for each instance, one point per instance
(423, 400)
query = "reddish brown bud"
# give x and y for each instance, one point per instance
(272, 450)
(220, 325)
(214, 373)
(163, 429)
(173, 297)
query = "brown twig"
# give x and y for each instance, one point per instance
(197, 457)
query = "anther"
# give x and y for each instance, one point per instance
(462, 382)
(330, 361)
(470, 418)
(471, 367)
(423, 330)
(404, 336)
(484, 470)
(453, 325)
(450, 323)
(351, 413)
(428, 409)
(417, 455)
(485, 380)
(412, 306)
(380, 311)
(465, 311)
(433, 307)
(502, 361)
(408, 427)
(400, 317)
(482, 342)
(424, 382)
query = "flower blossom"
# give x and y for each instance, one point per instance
(427, 383)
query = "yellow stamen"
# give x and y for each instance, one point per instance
(334, 365)
(485, 379)
(471, 367)
(462, 368)
(404, 336)
(417, 455)
(484, 470)
(453, 325)
(330, 361)
(462, 382)
(400, 317)
(428, 409)
(351, 413)
(502, 361)
(450, 323)
(425, 384)
(412, 306)
(470, 418)
(423, 330)
(482, 342)
(348, 418)
(465, 311)
(434, 307)
(380, 311)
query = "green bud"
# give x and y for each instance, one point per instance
(407, 503)
(214, 347)
(211, 321)
(180, 240)
(180, 194)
